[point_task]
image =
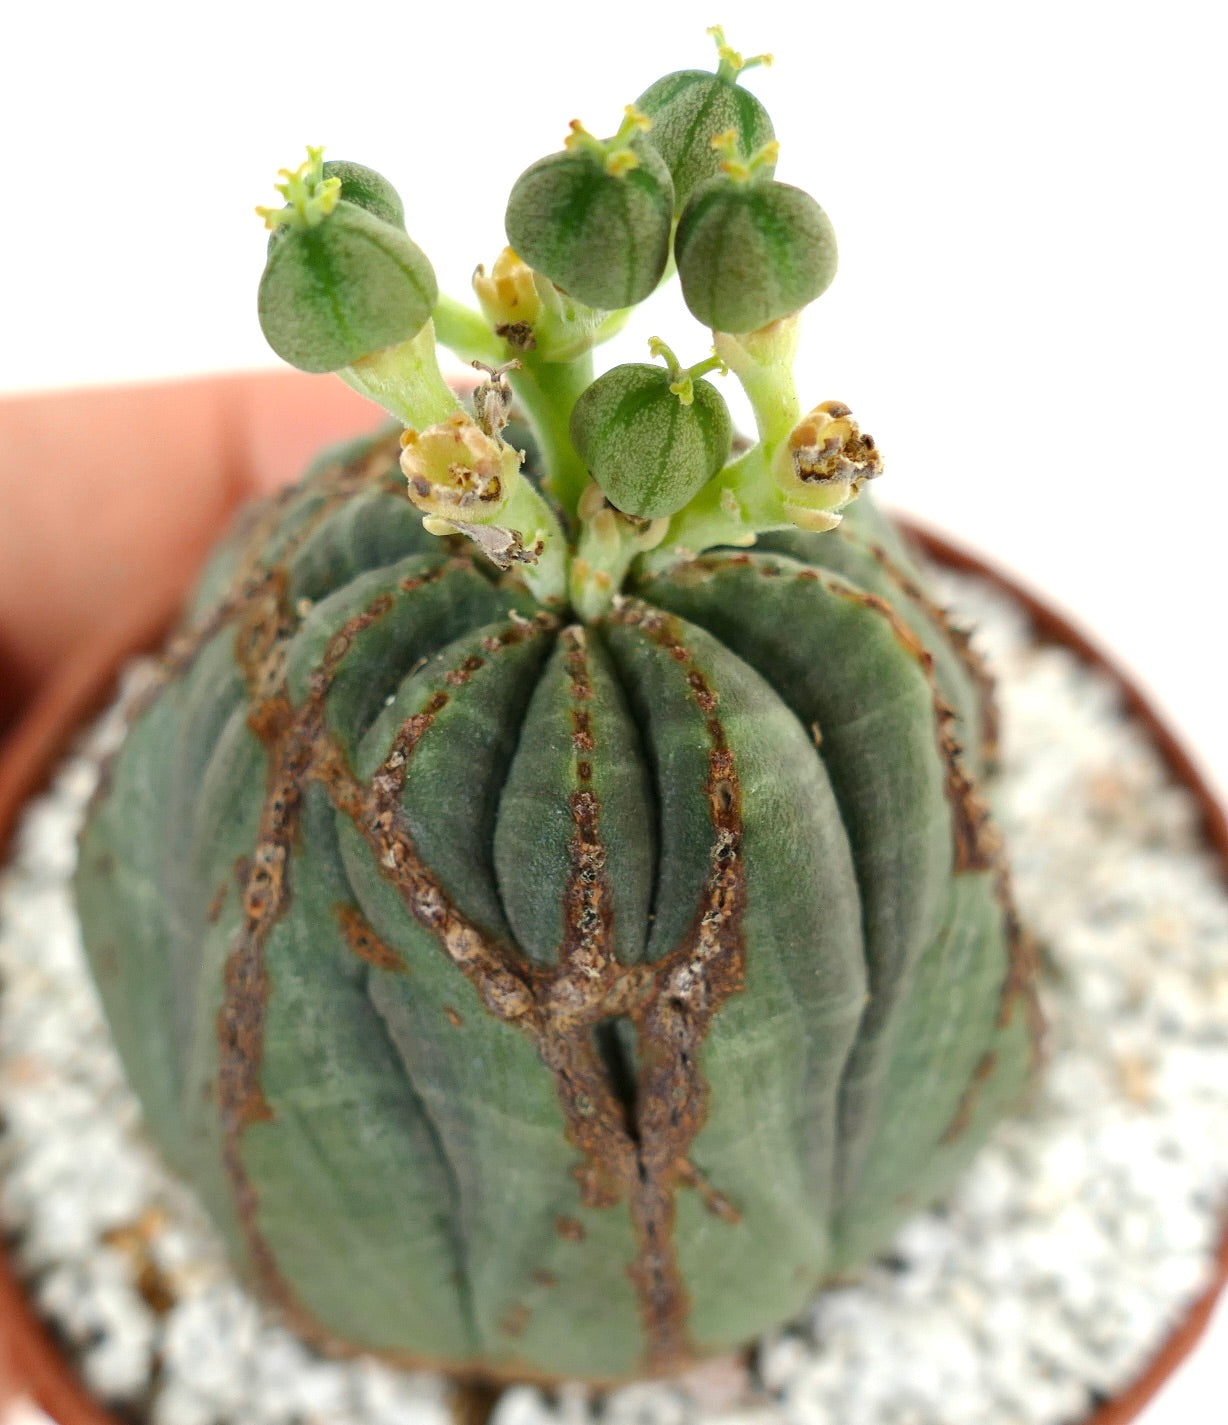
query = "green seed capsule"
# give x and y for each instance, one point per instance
(367, 189)
(691, 108)
(688, 110)
(649, 450)
(342, 289)
(342, 279)
(316, 189)
(595, 219)
(752, 250)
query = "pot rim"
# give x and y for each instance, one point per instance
(31, 1363)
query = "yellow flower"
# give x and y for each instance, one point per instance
(456, 472)
(823, 464)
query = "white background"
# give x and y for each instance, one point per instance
(1030, 314)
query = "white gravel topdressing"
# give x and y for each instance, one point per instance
(1046, 1282)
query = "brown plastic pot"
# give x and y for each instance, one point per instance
(32, 1364)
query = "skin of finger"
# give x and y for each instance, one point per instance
(112, 496)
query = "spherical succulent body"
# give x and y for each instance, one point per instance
(550, 998)
(546, 902)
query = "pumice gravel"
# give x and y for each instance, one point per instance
(1044, 1283)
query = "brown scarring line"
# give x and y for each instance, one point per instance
(299, 748)
(1021, 983)
(1023, 970)
(978, 845)
(213, 914)
(671, 1004)
(715, 1202)
(573, 998)
(376, 812)
(256, 523)
(958, 1126)
(362, 941)
(959, 638)
(690, 985)
(558, 1006)
(290, 737)
(252, 577)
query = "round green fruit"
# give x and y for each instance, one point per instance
(648, 449)
(749, 252)
(691, 108)
(366, 188)
(602, 236)
(343, 288)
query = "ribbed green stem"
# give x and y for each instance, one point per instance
(406, 381)
(467, 333)
(532, 516)
(763, 363)
(548, 390)
(743, 501)
(606, 549)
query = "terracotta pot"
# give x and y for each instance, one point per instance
(32, 1364)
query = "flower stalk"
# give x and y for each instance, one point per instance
(405, 380)
(609, 544)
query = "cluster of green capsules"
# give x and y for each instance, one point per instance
(634, 464)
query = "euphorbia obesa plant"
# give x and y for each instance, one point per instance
(544, 902)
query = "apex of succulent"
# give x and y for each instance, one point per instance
(686, 183)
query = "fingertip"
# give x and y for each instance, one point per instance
(282, 418)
